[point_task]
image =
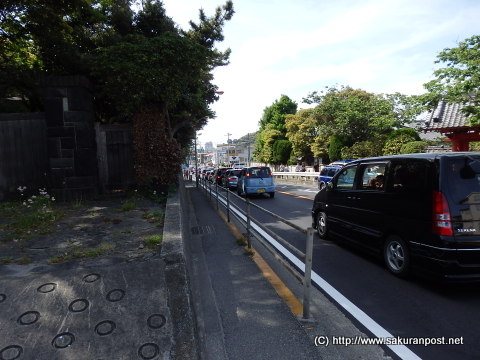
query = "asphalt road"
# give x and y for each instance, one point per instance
(416, 310)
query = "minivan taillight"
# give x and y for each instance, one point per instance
(442, 221)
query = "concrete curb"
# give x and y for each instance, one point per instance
(185, 344)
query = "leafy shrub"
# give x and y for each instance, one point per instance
(394, 145)
(413, 147)
(157, 156)
(412, 133)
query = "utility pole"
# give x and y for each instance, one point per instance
(248, 145)
(228, 147)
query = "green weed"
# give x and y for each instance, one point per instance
(154, 240)
(128, 205)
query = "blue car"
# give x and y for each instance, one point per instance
(327, 173)
(256, 180)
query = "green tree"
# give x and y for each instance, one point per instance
(363, 149)
(281, 151)
(336, 144)
(264, 145)
(301, 129)
(357, 114)
(272, 127)
(459, 80)
(274, 115)
(49, 37)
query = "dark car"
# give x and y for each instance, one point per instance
(219, 174)
(231, 178)
(417, 211)
(327, 172)
(256, 180)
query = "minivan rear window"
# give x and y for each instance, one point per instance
(260, 172)
(462, 178)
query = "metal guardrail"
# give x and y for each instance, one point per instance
(297, 177)
(266, 236)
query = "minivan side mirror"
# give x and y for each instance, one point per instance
(329, 186)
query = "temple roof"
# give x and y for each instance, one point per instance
(446, 117)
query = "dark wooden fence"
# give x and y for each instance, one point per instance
(115, 156)
(23, 152)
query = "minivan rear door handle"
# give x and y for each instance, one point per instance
(353, 198)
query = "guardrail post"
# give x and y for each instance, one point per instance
(216, 193)
(228, 205)
(210, 187)
(307, 280)
(249, 244)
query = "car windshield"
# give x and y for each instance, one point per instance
(261, 172)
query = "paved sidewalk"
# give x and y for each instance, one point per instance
(240, 314)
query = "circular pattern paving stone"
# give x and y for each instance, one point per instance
(105, 327)
(156, 321)
(78, 305)
(148, 351)
(28, 318)
(115, 295)
(46, 288)
(90, 278)
(63, 340)
(11, 352)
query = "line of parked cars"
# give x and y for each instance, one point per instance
(246, 180)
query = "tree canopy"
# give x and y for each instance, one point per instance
(345, 118)
(273, 128)
(458, 81)
(133, 59)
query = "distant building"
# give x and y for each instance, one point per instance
(209, 146)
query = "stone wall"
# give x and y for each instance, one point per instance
(70, 137)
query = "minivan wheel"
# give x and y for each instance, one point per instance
(397, 256)
(322, 225)
(321, 186)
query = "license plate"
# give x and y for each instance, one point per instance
(260, 190)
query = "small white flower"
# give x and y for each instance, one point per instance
(53, 199)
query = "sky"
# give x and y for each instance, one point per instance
(285, 47)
